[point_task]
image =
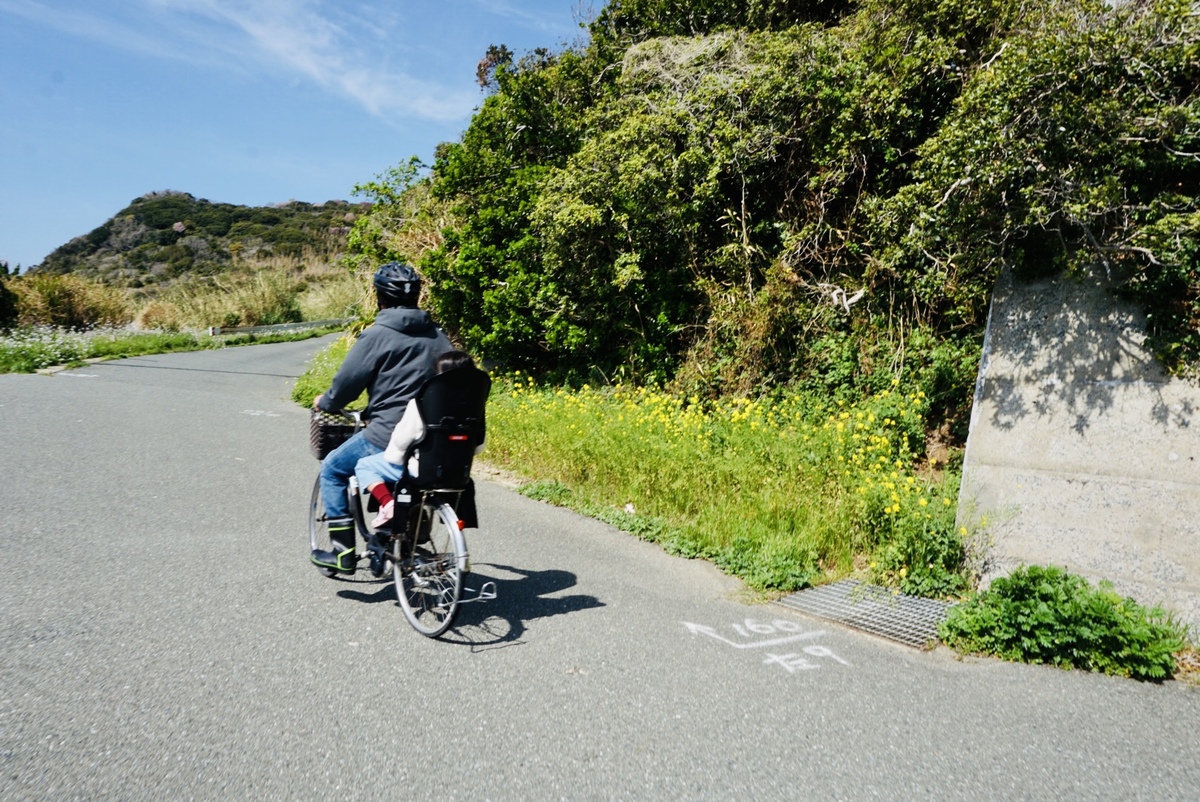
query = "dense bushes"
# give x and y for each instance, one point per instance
(8, 299)
(707, 191)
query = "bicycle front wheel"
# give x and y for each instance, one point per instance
(428, 567)
(318, 528)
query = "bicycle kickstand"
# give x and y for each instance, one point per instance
(486, 592)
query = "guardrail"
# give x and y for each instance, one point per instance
(215, 331)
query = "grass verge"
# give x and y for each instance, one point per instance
(31, 349)
(782, 493)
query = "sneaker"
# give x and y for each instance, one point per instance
(385, 514)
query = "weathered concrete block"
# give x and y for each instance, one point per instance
(1082, 451)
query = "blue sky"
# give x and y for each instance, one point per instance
(238, 101)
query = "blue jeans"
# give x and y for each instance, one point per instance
(336, 470)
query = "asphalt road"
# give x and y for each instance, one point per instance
(163, 635)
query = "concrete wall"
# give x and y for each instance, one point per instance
(1082, 452)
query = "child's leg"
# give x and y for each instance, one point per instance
(375, 469)
(373, 473)
(382, 494)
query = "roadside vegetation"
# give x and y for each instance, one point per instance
(1046, 615)
(163, 271)
(30, 350)
(783, 492)
(50, 319)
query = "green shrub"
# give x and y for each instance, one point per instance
(9, 311)
(316, 378)
(710, 193)
(920, 559)
(1046, 615)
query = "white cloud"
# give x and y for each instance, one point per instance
(334, 45)
(85, 25)
(327, 44)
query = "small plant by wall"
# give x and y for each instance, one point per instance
(1045, 615)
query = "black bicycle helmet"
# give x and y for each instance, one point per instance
(397, 284)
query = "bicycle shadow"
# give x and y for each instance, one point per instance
(384, 588)
(521, 595)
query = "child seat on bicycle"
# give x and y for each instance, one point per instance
(453, 407)
(433, 446)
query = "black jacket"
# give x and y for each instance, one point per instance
(390, 360)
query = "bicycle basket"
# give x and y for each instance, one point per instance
(327, 431)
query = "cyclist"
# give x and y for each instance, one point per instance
(390, 360)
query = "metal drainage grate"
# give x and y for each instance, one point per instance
(907, 619)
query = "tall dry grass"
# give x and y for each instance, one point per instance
(277, 290)
(68, 302)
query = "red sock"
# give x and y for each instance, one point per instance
(381, 493)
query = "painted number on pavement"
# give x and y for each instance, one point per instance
(780, 639)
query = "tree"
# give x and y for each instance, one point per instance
(8, 299)
(758, 192)
(495, 57)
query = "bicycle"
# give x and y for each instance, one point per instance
(424, 545)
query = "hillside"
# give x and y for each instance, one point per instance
(164, 235)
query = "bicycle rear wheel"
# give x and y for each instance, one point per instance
(428, 566)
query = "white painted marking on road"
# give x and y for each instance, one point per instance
(700, 629)
(792, 662)
(821, 651)
(260, 413)
(80, 375)
(752, 634)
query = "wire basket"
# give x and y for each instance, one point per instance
(327, 431)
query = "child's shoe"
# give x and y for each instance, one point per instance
(385, 514)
